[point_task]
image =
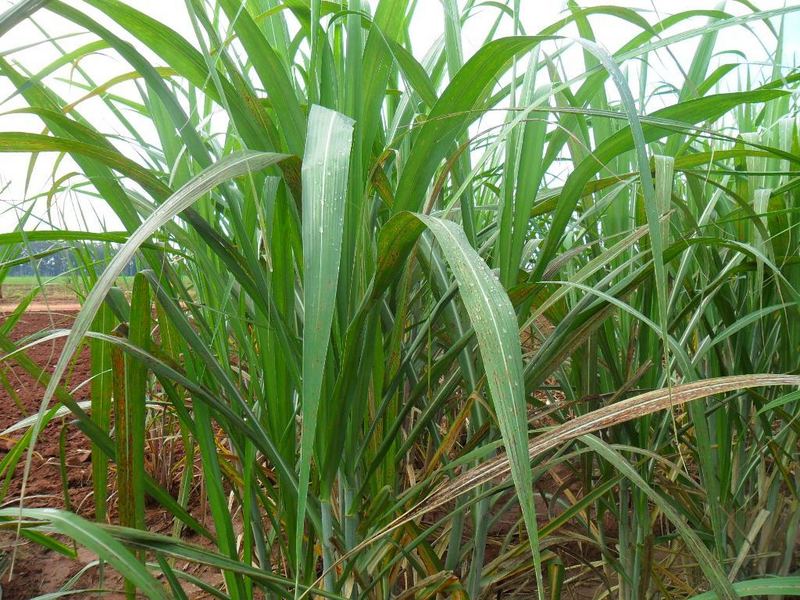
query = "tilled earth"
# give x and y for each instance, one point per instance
(36, 570)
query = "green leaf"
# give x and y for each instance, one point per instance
(272, 74)
(601, 418)
(325, 173)
(18, 12)
(449, 117)
(689, 112)
(709, 565)
(95, 539)
(232, 166)
(131, 451)
(495, 324)
(766, 586)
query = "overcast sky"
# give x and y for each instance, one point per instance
(67, 211)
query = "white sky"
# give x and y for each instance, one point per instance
(72, 210)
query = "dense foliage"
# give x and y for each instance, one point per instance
(409, 356)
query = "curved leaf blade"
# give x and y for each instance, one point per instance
(230, 167)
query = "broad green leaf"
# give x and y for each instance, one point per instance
(495, 324)
(132, 420)
(325, 179)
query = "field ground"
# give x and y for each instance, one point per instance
(37, 570)
(57, 293)
(55, 290)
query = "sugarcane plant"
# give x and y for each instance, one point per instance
(380, 323)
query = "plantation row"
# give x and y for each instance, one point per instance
(421, 326)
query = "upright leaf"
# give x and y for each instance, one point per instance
(325, 172)
(495, 324)
(232, 166)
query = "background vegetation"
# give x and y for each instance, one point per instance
(406, 356)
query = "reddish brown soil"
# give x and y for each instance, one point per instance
(37, 570)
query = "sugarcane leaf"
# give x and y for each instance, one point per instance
(94, 538)
(234, 165)
(325, 174)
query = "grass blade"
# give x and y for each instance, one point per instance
(325, 173)
(93, 537)
(232, 166)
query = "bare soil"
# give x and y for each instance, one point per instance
(37, 570)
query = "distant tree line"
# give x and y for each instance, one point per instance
(49, 260)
